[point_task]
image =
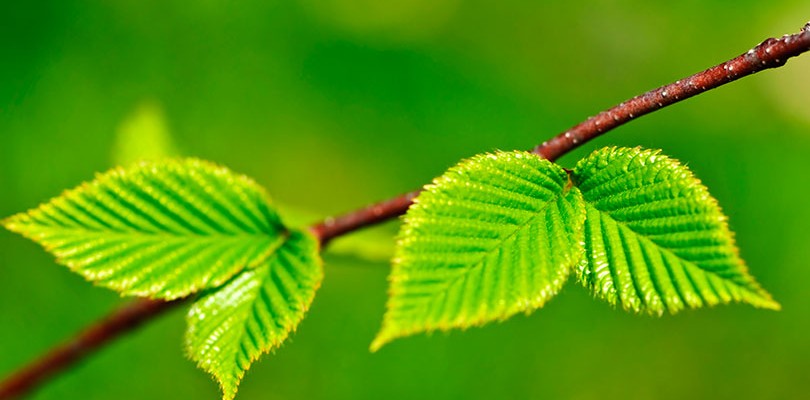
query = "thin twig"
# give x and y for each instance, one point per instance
(331, 228)
(86, 342)
(771, 53)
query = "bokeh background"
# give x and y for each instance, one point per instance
(337, 103)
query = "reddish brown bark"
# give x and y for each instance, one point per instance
(120, 321)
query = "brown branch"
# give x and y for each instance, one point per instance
(771, 53)
(120, 321)
(331, 228)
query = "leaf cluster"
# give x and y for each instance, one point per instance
(496, 235)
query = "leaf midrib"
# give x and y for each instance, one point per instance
(454, 280)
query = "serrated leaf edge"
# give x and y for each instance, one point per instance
(388, 333)
(228, 393)
(16, 222)
(767, 301)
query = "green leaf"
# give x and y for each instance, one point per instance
(162, 230)
(375, 244)
(494, 236)
(231, 327)
(143, 136)
(655, 239)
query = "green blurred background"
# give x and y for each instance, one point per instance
(334, 104)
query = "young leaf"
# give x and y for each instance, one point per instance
(375, 245)
(495, 235)
(232, 326)
(655, 239)
(143, 136)
(162, 230)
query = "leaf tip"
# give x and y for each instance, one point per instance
(228, 382)
(228, 390)
(8, 223)
(384, 337)
(228, 385)
(15, 222)
(769, 303)
(760, 298)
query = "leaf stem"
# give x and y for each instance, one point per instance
(771, 53)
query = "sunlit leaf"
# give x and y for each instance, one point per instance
(231, 327)
(655, 239)
(162, 230)
(494, 236)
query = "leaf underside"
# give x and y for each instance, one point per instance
(162, 230)
(494, 236)
(253, 313)
(655, 240)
